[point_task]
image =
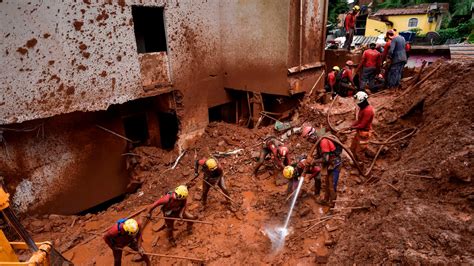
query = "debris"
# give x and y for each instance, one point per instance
(177, 159)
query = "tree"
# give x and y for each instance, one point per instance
(335, 8)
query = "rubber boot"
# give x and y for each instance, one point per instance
(169, 234)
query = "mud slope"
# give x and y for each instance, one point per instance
(430, 220)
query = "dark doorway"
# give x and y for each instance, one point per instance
(225, 112)
(136, 128)
(169, 127)
(149, 26)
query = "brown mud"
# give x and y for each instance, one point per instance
(417, 204)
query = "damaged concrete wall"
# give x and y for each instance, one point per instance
(65, 166)
(69, 56)
(261, 41)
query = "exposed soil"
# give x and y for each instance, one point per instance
(418, 202)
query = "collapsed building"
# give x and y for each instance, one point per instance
(84, 82)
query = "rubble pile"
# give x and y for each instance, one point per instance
(415, 207)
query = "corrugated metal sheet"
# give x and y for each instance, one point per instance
(361, 40)
(410, 10)
(462, 51)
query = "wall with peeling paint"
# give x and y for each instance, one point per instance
(60, 57)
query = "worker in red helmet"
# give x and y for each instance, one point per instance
(370, 65)
(346, 85)
(276, 149)
(349, 25)
(309, 133)
(363, 125)
(213, 174)
(173, 204)
(125, 232)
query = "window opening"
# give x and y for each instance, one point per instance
(413, 22)
(149, 26)
(169, 127)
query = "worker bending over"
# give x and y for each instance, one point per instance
(363, 125)
(278, 152)
(173, 205)
(332, 81)
(328, 153)
(347, 86)
(213, 174)
(125, 232)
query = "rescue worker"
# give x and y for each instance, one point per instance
(309, 132)
(173, 205)
(125, 232)
(346, 85)
(398, 58)
(370, 64)
(332, 80)
(386, 47)
(278, 152)
(305, 169)
(363, 125)
(328, 153)
(213, 174)
(349, 25)
(379, 82)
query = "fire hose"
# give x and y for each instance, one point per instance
(390, 140)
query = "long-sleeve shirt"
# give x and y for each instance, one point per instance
(217, 173)
(170, 203)
(332, 79)
(386, 47)
(397, 50)
(116, 237)
(371, 58)
(350, 20)
(364, 119)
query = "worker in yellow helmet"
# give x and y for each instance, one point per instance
(125, 232)
(349, 25)
(173, 205)
(302, 168)
(213, 175)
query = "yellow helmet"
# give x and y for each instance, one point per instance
(356, 8)
(181, 192)
(336, 68)
(211, 164)
(131, 227)
(288, 171)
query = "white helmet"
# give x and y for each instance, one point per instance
(360, 97)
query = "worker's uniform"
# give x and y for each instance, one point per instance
(398, 56)
(331, 82)
(370, 63)
(172, 207)
(212, 177)
(311, 171)
(330, 170)
(117, 239)
(363, 127)
(349, 24)
(379, 83)
(270, 147)
(346, 85)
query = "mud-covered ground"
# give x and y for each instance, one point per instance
(416, 206)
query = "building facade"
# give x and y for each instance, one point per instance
(79, 73)
(425, 17)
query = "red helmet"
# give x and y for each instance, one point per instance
(307, 130)
(349, 63)
(283, 151)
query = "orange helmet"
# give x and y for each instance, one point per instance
(307, 130)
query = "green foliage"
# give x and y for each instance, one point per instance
(461, 31)
(335, 8)
(416, 31)
(456, 7)
(470, 39)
